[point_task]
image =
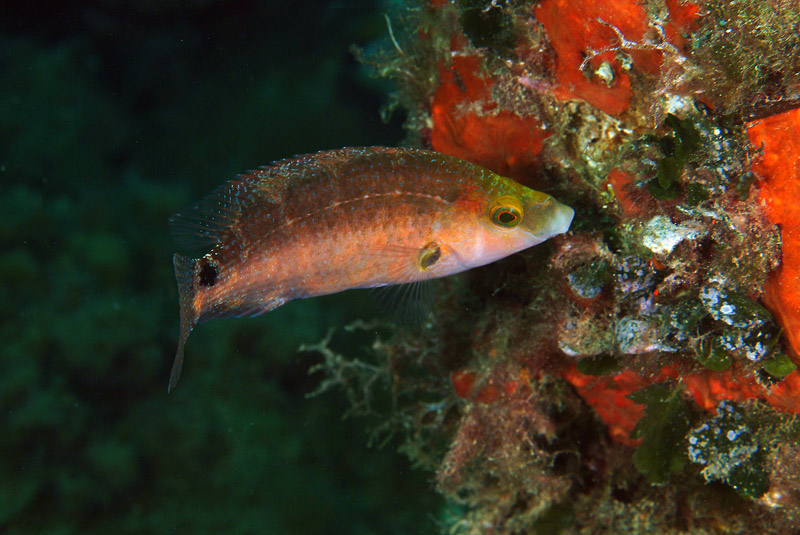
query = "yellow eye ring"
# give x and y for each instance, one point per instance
(506, 212)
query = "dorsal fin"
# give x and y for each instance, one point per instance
(203, 223)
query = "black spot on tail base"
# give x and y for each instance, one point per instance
(209, 272)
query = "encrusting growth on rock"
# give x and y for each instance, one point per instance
(551, 394)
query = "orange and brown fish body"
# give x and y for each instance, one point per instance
(349, 218)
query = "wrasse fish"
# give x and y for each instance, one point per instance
(349, 218)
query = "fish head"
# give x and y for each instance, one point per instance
(543, 217)
(510, 217)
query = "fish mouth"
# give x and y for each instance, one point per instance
(563, 220)
(548, 219)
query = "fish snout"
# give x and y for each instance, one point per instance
(548, 219)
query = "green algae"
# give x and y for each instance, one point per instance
(779, 365)
(678, 147)
(711, 355)
(662, 430)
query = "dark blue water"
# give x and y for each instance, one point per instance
(114, 115)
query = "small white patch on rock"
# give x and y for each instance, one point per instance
(661, 235)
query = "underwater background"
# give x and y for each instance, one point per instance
(113, 116)
(636, 375)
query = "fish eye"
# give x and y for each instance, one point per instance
(506, 212)
(506, 217)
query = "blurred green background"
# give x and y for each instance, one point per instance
(113, 115)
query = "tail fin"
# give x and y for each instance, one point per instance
(184, 274)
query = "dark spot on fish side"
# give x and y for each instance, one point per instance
(208, 273)
(430, 255)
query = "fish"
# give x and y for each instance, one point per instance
(357, 217)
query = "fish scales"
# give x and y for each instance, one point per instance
(349, 218)
(338, 208)
(331, 181)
